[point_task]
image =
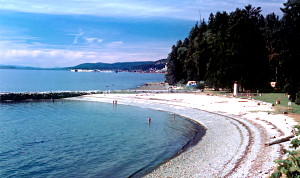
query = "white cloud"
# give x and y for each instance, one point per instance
(81, 38)
(65, 57)
(94, 40)
(179, 9)
(14, 51)
(77, 36)
(50, 58)
(115, 44)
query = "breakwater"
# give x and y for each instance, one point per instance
(43, 95)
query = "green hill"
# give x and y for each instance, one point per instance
(123, 66)
(144, 65)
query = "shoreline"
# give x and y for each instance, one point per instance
(197, 138)
(240, 124)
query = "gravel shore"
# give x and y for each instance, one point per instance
(234, 143)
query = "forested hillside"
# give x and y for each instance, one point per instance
(142, 65)
(242, 46)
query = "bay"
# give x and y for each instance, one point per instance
(61, 80)
(80, 138)
(86, 139)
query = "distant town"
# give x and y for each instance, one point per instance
(150, 70)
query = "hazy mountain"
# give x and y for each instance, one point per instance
(18, 67)
(145, 65)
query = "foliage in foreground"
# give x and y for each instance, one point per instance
(290, 166)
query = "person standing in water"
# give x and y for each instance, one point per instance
(149, 120)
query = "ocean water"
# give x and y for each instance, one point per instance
(86, 139)
(59, 80)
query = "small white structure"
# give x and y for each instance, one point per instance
(81, 70)
(191, 83)
(273, 84)
(235, 89)
(165, 69)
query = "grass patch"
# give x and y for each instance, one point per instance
(283, 106)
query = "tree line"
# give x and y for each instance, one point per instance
(242, 46)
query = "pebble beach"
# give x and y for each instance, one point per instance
(237, 133)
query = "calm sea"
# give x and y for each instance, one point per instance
(84, 139)
(60, 80)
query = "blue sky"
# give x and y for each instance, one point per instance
(47, 33)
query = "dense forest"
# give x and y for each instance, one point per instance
(242, 46)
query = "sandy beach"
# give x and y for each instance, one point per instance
(235, 141)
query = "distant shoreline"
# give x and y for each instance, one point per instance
(196, 139)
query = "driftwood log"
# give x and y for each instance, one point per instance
(280, 140)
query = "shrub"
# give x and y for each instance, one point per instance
(290, 166)
(297, 101)
(200, 85)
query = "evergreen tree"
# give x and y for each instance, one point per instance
(241, 46)
(201, 54)
(272, 36)
(171, 78)
(217, 66)
(291, 46)
(247, 51)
